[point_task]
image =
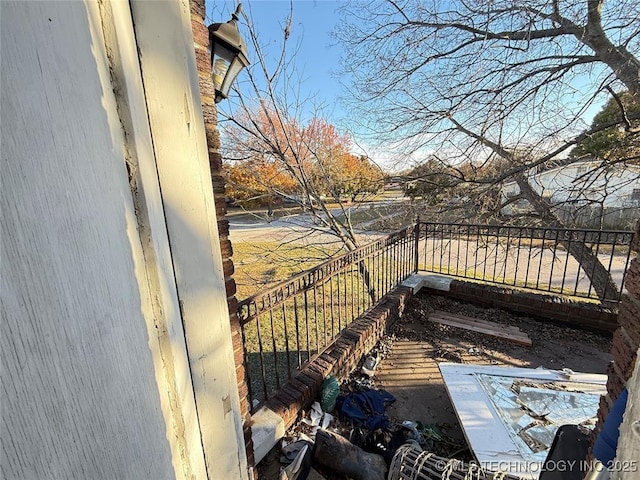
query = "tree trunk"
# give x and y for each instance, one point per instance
(599, 276)
(351, 244)
(624, 64)
(366, 278)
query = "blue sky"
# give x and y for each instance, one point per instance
(319, 55)
(318, 58)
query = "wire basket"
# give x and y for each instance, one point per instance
(411, 464)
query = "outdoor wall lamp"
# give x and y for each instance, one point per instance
(228, 54)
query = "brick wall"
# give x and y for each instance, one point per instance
(201, 43)
(589, 316)
(626, 339)
(341, 357)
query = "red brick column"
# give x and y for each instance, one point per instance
(210, 113)
(626, 339)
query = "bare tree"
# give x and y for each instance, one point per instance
(270, 120)
(521, 74)
(502, 68)
(480, 80)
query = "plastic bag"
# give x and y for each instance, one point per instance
(329, 393)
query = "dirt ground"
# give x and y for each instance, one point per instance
(414, 347)
(422, 396)
(554, 346)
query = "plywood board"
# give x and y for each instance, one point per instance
(511, 334)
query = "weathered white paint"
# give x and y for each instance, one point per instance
(79, 392)
(628, 452)
(482, 425)
(267, 428)
(175, 113)
(96, 379)
(153, 261)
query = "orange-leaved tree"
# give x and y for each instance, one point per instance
(358, 176)
(273, 156)
(270, 120)
(258, 182)
(337, 173)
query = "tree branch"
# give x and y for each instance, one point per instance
(625, 119)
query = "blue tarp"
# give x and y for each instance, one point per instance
(365, 409)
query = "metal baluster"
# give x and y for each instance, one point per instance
(315, 315)
(275, 347)
(515, 275)
(295, 316)
(353, 297)
(416, 233)
(593, 270)
(506, 256)
(286, 338)
(553, 259)
(486, 254)
(584, 246)
(306, 322)
(247, 373)
(324, 315)
(458, 252)
(566, 258)
(260, 350)
(466, 251)
(526, 275)
(627, 243)
(476, 230)
(495, 257)
(544, 237)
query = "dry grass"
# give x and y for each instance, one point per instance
(260, 265)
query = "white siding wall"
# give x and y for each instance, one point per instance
(96, 378)
(586, 182)
(80, 398)
(175, 114)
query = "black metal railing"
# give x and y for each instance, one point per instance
(293, 322)
(556, 260)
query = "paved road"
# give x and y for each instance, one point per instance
(295, 228)
(533, 266)
(530, 266)
(516, 266)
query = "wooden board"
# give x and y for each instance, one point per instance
(476, 321)
(510, 333)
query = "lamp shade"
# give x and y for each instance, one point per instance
(228, 54)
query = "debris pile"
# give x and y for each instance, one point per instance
(347, 432)
(551, 345)
(357, 440)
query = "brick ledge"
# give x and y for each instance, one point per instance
(340, 358)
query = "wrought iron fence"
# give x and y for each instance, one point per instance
(293, 322)
(581, 263)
